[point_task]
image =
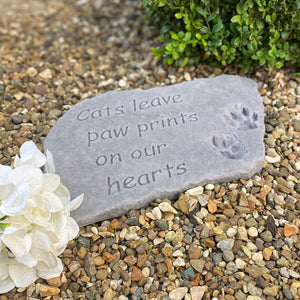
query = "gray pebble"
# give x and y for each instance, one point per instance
(228, 255)
(266, 236)
(83, 242)
(287, 294)
(133, 221)
(163, 225)
(17, 119)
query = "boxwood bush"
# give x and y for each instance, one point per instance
(248, 32)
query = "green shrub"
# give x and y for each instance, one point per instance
(249, 32)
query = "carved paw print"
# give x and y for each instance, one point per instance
(241, 117)
(229, 145)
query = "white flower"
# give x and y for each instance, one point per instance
(35, 222)
(30, 155)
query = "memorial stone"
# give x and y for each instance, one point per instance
(124, 149)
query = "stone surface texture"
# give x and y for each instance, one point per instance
(124, 149)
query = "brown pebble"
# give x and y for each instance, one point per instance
(99, 261)
(194, 253)
(125, 275)
(46, 290)
(290, 229)
(108, 257)
(101, 274)
(40, 89)
(81, 253)
(136, 274)
(55, 281)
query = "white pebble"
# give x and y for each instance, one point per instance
(257, 257)
(122, 83)
(166, 207)
(272, 160)
(240, 264)
(209, 187)
(252, 231)
(231, 232)
(179, 262)
(297, 165)
(195, 191)
(157, 213)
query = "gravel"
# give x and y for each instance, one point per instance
(240, 241)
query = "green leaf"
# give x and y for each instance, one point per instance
(198, 36)
(3, 226)
(185, 61)
(181, 34)
(286, 46)
(250, 3)
(212, 16)
(268, 18)
(175, 55)
(260, 53)
(236, 41)
(164, 29)
(201, 11)
(174, 35)
(281, 53)
(181, 47)
(262, 61)
(224, 48)
(204, 29)
(156, 52)
(170, 61)
(169, 47)
(178, 15)
(217, 28)
(192, 7)
(239, 8)
(285, 35)
(161, 3)
(188, 36)
(279, 64)
(193, 42)
(236, 19)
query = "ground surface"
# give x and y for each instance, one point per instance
(56, 53)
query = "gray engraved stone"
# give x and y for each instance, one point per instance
(124, 149)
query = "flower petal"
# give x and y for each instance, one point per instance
(6, 190)
(58, 222)
(17, 240)
(17, 161)
(63, 193)
(41, 243)
(52, 202)
(46, 272)
(39, 216)
(31, 155)
(6, 285)
(3, 271)
(4, 172)
(18, 221)
(15, 202)
(22, 275)
(74, 204)
(49, 167)
(27, 174)
(50, 182)
(72, 228)
(27, 260)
